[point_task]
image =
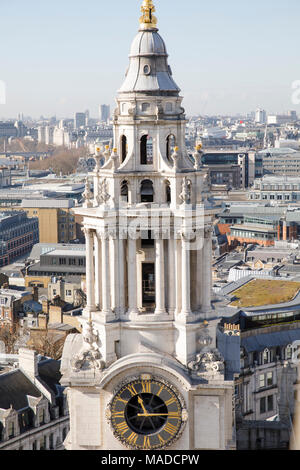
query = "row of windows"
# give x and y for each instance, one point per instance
(147, 191)
(146, 148)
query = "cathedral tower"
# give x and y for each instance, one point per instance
(146, 373)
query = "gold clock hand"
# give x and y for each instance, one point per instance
(153, 414)
(140, 400)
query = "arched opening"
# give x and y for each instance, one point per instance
(147, 192)
(168, 191)
(123, 148)
(124, 191)
(146, 150)
(170, 145)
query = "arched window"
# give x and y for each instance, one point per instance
(124, 191)
(266, 356)
(123, 148)
(288, 352)
(168, 191)
(170, 145)
(146, 150)
(147, 191)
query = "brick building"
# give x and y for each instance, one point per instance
(18, 234)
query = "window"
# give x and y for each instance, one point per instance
(147, 70)
(168, 192)
(269, 379)
(11, 429)
(145, 107)
(124, 148)
(146, 150)
(124, 191)
(288, 351)
(262, 405)
(68, 292)
(262, 381)
(147, 192)
(270, 401)
(41, 416)
(169, 107)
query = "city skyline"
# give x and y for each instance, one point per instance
(243, 59)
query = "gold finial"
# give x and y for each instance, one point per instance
(148, 19)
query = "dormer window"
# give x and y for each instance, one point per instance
(41, 416)
(11, 429)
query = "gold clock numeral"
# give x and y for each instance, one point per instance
(160, 390)
(170, 428)
(132, 438)
(146, 444)
(174, 414)
(132, 390)
(122, 427)
(146, 387)
(170, 401)
(122, 400)
(161, 440)
(118, 414)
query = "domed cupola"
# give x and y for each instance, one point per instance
(148, 70)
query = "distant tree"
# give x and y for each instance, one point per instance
(62, 161)
(47, 343)
(9, 335)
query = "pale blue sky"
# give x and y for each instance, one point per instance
(62, 56)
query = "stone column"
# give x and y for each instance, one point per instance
(207, 270)
(178, 275)
(106, 300)
(98, 268)
(159, 277)
(90, 270)
(114, 273)
(171, 277)
(132, 277)
(186, 278)
(121, 277)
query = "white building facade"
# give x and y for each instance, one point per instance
(146, 373)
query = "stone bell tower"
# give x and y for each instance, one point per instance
(148, 328)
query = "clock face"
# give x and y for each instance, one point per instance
(146, 414)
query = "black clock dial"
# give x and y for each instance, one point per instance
(142, 405)
(146, 414)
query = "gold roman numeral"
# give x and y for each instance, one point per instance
(146, 387)
(118, 414)
(170, 401)
(122, 400)
(170, 428)
(161, 440)
(160, 390)
(132, 390)
(122, 427)
(132, 438)
(146, 444)
(174, 414)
